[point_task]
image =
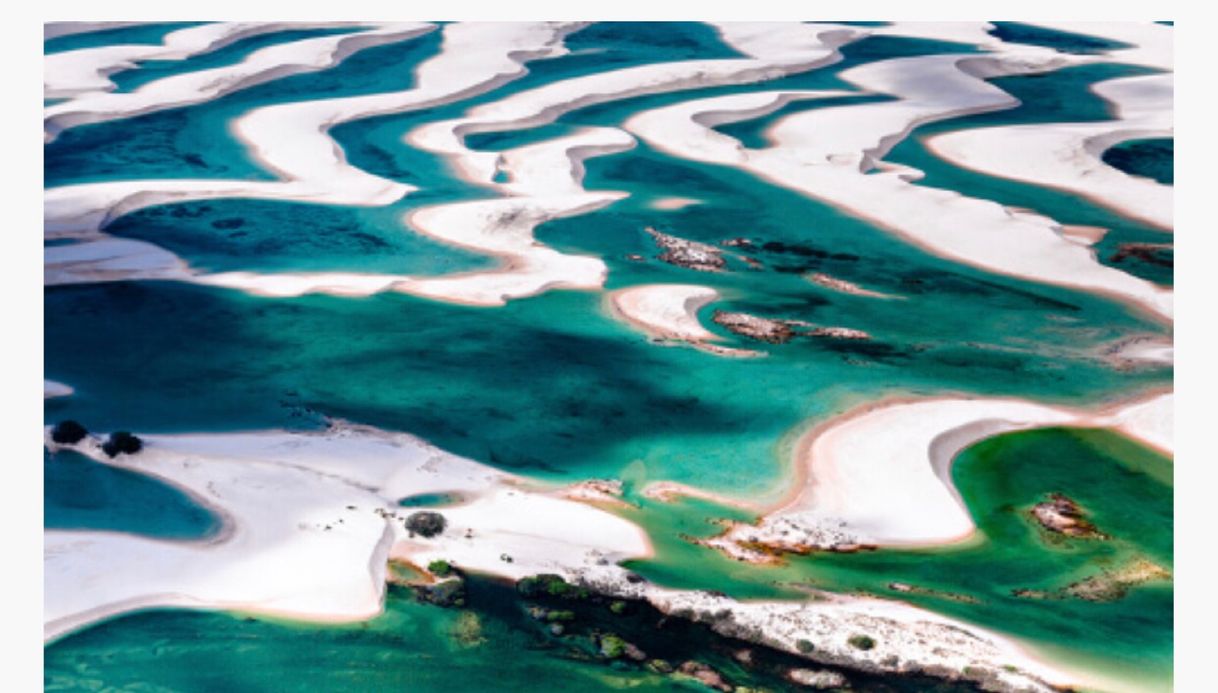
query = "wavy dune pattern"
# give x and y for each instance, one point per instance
(601, 203)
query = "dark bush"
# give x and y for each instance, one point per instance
(862, 642)
(450, 592)
(425, 523)
(68, 432)
(122, 442)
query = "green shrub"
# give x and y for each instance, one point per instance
(862, 642)
(441, 568)
(804, 646)
(612, 646)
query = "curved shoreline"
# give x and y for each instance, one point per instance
(880, 474)
(69, 74)
(319, 552)
(1067, 156)
(281, 561)
(832, 168)
(273, 62)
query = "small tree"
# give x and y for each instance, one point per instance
(68, 432)
(122, 442)
(425, 523)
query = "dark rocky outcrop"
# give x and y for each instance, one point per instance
(753, 327)
(688, 254)
(425, 523)
(1062, 515)
(705, 675)
(449, 592)
(68, 432)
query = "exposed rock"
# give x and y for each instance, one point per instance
(689, 254)
(753, 327)
(122, 443)
(773, 536)
(68, 432)
(838, 333)
(425, 523)
(822, 279)
(907, 588)
(1062, 515)
(737, 243)
(607, 491)
(706, 675)
(900, 645)
(1152, 253)
(1106, 586)
(817, 679)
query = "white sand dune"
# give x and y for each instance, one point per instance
(52, 30)
(273, 62)
(1149, 44)
(827, 153)
(72, 73)
(108, 259)
(309, 522)
(52, 388)
(881, 475)
(290, 139)
(1068, 155)
(665, 311)
(802, 47)
(1071, 151)
(544, 184)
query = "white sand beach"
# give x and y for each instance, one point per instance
(310, 520)
(880, 475)
(53, 388)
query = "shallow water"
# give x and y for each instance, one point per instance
(1125, 489)
(80, 494)
(553, 387)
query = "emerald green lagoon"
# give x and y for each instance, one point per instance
(555, 388)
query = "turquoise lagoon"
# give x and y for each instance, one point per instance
(555, 388)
